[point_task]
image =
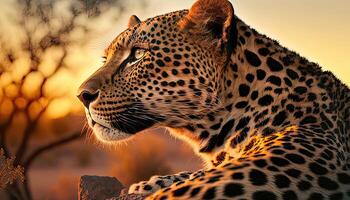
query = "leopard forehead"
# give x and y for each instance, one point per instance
(162, 28)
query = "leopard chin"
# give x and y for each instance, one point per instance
(106, 134)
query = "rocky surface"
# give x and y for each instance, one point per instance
(128, 197)
(99, 187)
(103, 187)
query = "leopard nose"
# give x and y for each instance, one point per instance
(89, 91)
(86, 97)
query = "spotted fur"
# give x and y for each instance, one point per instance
(269, 123)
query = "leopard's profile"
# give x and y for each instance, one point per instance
(270, 124)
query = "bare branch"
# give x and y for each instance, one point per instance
(3, 128)
(29, 131)
(50, 146)
(24, 142)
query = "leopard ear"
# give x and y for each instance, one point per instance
(133, 20)
(213, 20)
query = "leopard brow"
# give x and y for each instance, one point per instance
(145, 46)
(121, 66)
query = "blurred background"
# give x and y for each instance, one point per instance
(47, 49)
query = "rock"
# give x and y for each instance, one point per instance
(99, 187)
(129, 197)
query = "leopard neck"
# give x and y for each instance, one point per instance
(265, 91)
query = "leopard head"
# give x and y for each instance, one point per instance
(165, 71)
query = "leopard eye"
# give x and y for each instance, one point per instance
(136, 55)
(139, 53)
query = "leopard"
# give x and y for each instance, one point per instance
(269, 123)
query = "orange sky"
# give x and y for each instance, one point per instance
(318, 30)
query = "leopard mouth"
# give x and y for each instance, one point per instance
(133, 120)
(126, 124)
(105, 133)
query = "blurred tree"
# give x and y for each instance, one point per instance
(45, 33)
